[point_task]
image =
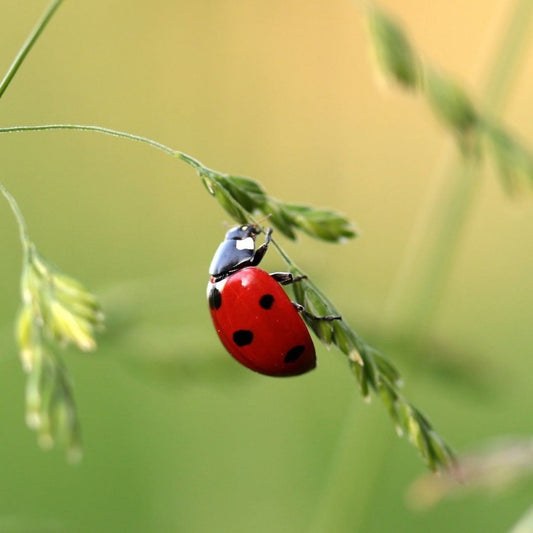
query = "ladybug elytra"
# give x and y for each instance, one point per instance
(253, 316)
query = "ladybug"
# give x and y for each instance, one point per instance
(253, 316)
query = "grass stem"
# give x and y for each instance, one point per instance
(28, 44)
(98, 129)
(24, 238)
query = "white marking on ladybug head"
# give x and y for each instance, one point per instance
(220, 284)
(245, 244)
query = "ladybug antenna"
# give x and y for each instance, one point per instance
(262, 219)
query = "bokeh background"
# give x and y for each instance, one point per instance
(177, 436)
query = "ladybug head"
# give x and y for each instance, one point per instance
(239, 233)
(236, 251)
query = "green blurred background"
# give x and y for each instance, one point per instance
(177, 436)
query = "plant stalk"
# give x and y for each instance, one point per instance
(106, 131)
(23, 231)
(28, 44)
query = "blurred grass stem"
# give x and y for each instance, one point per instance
(28, 44)
(343, 501)
(423, 272)
(431, 250)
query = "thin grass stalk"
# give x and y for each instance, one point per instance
(106, 131)
(28, 44)
(21, 223)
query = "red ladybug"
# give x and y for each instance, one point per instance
(252, 314)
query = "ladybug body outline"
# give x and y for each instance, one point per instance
(254, 318)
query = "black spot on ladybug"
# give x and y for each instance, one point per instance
(266, 301)
(243, 337)
(294, 353)
(215, 298)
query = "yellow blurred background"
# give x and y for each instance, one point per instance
(177, 436)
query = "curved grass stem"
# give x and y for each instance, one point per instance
(23, 231)
(98, 129)
(191, 161)
(242, 198)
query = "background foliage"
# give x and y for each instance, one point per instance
(177, 436)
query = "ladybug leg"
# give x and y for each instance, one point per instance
(301, 309)
(261, 251)
(286, 278)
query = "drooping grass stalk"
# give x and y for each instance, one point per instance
(56, 310)
(431, 251)
(59, 308)
(243, 197)
(28, 44)
(23, 231)
(191, 161)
